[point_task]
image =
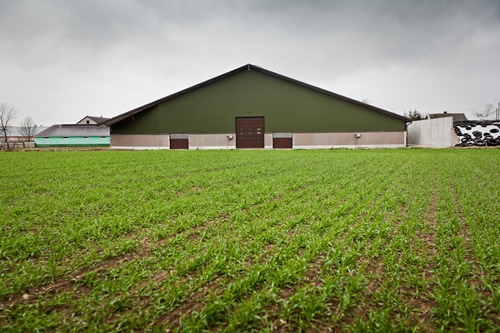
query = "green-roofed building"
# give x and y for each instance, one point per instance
(73, 136)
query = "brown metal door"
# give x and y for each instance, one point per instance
(250, 132)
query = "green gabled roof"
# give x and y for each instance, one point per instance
(249, 67)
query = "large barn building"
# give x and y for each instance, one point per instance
(251, 107)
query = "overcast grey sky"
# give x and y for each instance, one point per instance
(61, 60)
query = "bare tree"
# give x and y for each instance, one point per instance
(487, 112)
(7, 113)
(366, 101)
(28, 128)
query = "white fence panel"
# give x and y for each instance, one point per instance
(432, 133)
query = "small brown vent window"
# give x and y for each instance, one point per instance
(282, 140)
(179, 141)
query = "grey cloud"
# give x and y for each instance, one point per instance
(180, 43)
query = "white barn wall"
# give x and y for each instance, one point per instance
(432, 133)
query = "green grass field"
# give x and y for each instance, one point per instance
(342, 240)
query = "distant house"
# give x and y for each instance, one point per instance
(72, 135)
(88, 120)
(15, 134)
(456, 116)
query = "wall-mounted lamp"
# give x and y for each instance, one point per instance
(357, 135)
(230, 137)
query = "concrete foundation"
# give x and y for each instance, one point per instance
(120, 141)
(349, 140)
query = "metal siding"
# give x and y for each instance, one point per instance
(146, 122)
(74, 141)
(286, 106)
